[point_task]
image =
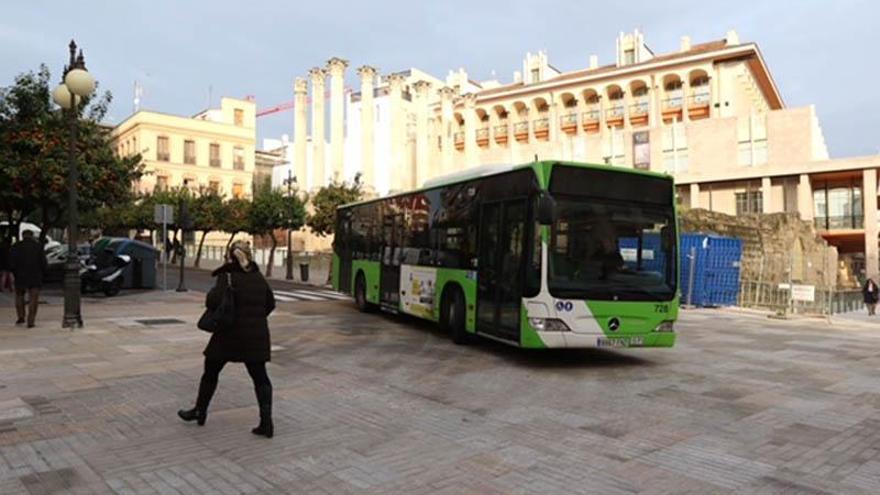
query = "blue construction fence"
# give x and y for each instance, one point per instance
(709, 266)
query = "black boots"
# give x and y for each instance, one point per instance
(264, 399)
(199, 413)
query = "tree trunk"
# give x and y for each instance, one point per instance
(271, 255)
(229, 242)
(199, 250)
(173, 246)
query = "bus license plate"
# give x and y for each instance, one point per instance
(620, 342)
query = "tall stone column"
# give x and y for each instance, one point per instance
(446, 137)
(400, 173)
(471, 150)
(336, 68)
(367, 75)
(869, 196)
(422, 147)
(300, 133)
(319, 176)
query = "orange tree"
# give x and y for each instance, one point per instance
(34, 138)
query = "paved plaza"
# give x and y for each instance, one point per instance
(377, 404)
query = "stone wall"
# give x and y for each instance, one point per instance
(772, 243)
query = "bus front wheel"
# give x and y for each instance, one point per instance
(454, 317)
(360, 293)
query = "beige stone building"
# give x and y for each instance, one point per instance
(708, 113)
(214, 148)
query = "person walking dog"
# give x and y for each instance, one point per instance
(870, 296)
(28, 261)
(246, 341)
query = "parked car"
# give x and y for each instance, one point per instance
(4, 228)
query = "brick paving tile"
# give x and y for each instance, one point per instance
(375, 404)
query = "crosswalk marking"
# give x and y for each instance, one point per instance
(298, 295)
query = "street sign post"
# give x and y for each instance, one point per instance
(164, 214)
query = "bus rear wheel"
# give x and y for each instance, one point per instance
(454, 317)
(360, 293)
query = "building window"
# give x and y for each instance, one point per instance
(215, 154)
(161, 182)
(237, 190)
(641, 150)
(838, 206)
(675, 149)
(614, 150)
(536, 75)
(749, 202)
(189, 152)
(752, 140)
(238, 158)
(162, 152)
(629, 57)
(238, 117)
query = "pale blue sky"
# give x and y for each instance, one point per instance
(823, 53)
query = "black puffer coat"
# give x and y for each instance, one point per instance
(248, 340)
(28, 261)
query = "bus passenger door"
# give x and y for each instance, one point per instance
(390, 273)
(500, 277)
(343, 249)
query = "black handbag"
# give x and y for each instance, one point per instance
(222, 317)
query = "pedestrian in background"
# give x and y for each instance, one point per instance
(28, 261)
(5, 265)
(246, 342)
(869, 293)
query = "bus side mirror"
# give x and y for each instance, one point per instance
(546, 209)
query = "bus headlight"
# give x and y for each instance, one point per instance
(665, 326)
(548, 325)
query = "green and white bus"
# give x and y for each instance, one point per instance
(546, 254)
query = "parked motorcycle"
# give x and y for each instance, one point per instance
(106, 279)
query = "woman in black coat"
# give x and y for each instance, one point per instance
(870, 295)
(246, 342)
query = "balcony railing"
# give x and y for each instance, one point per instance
(843, 222)
(674, 99)
(541, 124)
(521, 128)
(459, 137)
(590, 115)
(215, 162)
(699, 98)
(163, 156)
(568, 120)
(483, 134)
(238, 165)
(640, 107)
(615, 112)
(189, 159)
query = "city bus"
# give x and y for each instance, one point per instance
(541, 255)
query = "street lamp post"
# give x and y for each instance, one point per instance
(76, 84)
(289, 181)
(184, 220)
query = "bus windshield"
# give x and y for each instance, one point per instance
(612, 250)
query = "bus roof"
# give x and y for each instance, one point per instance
(492, 170)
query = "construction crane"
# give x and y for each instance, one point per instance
(287, 105)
